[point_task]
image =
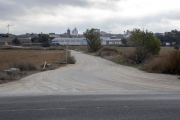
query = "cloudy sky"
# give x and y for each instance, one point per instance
(56, 16)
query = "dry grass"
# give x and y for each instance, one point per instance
(36, 57)
(82, 48)
(167, 63)
(164, 50)
(129, 54)
(107, 52)
(24, 66)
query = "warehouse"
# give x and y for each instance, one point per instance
(82, 41)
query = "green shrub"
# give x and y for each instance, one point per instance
(146, 44)
(46, 44)
(23, 66)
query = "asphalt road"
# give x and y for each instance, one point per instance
(92, 89)
(92, 107)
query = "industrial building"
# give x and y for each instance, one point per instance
(82, 41)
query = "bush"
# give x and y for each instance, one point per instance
(46, 44)
(107, 52)
(129, 55)
(23, 66)
(176, 47)
(169, 64)
(146, 44)
(124, 41)
(16, 41)
(71, 59)
(3, 76)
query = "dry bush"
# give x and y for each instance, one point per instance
(168, 63)
(107, 52)
(23, 66)
(82, 48)
(3, 76)
(129, 55)
(71, 60)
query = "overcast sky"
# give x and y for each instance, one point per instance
(108, 15)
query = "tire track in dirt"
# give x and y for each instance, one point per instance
(93, 75)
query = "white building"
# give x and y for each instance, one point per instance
(127, 34)
(75, 32)
(82, 41)
(102, 33)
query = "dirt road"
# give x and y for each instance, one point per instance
(92, 75)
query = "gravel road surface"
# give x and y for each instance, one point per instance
(91, 75)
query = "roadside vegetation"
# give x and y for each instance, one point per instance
(16, 63)
(93, 40)
(168, 63)
(146, 44)
(144, 51)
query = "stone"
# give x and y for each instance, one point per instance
(12, 70)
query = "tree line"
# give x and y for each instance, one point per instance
(42, 38)
(4, 35)
(171, 37)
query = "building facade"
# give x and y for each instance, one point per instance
(75, 32)
(82, 41)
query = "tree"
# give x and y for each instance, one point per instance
(176, 35)
(15, 41)
(46, 44)
(169, 37)
(145, 43)
(160, 37)
(93, 40)
(124, 41)
(42, 38)
(33, 39)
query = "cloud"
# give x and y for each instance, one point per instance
(115, 15)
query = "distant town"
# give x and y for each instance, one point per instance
(69, 34)
(74, 38)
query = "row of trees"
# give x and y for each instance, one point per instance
(42, 38)
(4, 35)
(173, 36)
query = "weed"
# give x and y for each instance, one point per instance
(71, 59)
(107, 52)
(23, 66)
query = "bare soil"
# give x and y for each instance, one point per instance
(37, 57)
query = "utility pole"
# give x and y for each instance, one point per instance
(110, 33)
(66, 51)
